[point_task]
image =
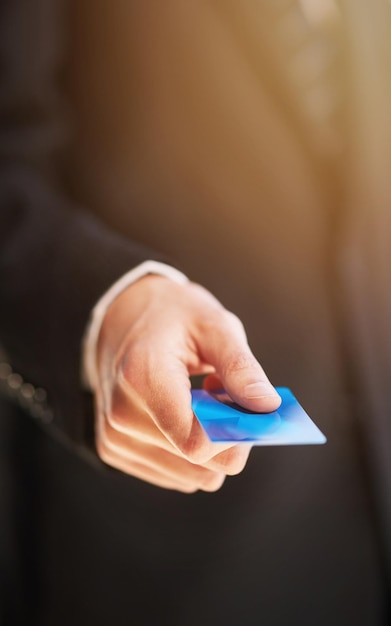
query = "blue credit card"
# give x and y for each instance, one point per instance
(225, 421)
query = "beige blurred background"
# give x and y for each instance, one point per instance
(249, 141)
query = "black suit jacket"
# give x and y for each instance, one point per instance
(278, 543)
(56, 259)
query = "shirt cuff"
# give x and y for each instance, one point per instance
(90, 341)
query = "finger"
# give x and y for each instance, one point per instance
(142, 472)
(135, 424)
(137, 469)
(130, 454)
(127, 417)
(231, 461)
(161, 385)
(222, 342)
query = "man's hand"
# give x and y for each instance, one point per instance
(155, 335)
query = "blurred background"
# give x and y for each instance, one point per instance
(251, 142)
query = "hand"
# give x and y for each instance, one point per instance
(155, 335)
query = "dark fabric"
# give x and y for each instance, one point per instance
(290, 540)
(56, 260)
(295, 538)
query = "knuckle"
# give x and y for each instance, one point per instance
(126, 371)
(118, 420)
(233, 461)
(105, 430)
(214, 321)
(239, 361)
(196, 450)
(103, 451)
(188, 488)
(213, 482)
(115, 419)
(220, 325)
(120, 410)
(138, 373)
(234, 320)
(236, 467)
(229, 323)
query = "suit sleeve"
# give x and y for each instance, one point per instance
(56, 260)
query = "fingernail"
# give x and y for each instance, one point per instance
(260, 390)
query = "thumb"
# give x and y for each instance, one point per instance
(238, 371)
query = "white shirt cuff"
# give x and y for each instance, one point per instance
(89, 366)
